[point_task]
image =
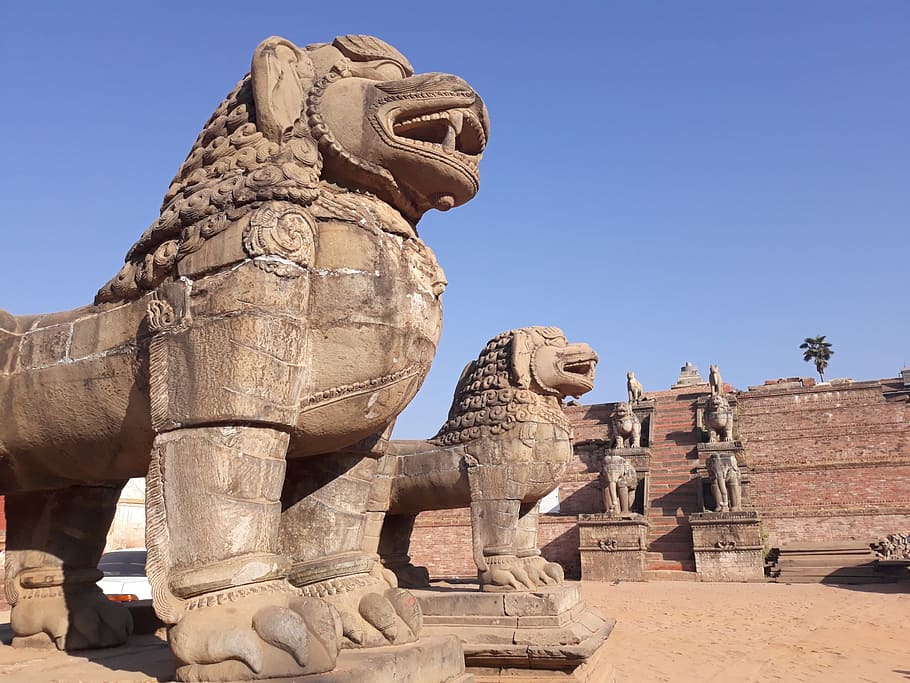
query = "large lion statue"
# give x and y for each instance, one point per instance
(505, 445)
(249, 357)
(719, 419)
(626, 427)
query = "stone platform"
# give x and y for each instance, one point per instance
(147, 658)
(540, 636)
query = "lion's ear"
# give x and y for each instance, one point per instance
(522, 353)
(282, 74)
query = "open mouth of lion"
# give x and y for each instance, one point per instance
(451, 131)
(579, 372)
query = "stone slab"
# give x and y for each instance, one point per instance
(597, 669)
(148, 658)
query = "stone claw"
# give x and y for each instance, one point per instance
(377, 611)
(507, 573)
(542, 572)
(265, 635)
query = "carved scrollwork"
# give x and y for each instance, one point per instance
(160, 315)
(608, 545)
(725, 545)
(283, 231)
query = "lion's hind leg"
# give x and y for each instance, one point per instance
(394, 546)
(54, 542)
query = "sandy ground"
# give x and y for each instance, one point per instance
(665, 631)
(676, 631)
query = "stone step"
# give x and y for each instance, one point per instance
(816, 561)
(670, 575)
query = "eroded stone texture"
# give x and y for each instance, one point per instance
(504, 446)
(250, 358)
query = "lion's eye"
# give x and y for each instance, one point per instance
(379, 70)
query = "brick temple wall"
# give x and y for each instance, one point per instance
(828, 462)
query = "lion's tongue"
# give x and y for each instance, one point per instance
(456, 121)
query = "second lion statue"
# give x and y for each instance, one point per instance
(505, 445)
(249, 357)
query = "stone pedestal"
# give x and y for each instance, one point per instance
(147, 657)
(546, 635)
(612, 547)
(728, 546)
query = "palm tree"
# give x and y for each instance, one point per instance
(818, 350)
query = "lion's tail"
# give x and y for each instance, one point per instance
(168, 606)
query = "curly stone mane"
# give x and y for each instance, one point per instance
(231, 165)
(494, 394)
(237, 163)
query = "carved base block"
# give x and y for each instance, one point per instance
(535, 636)
(728, 546)
(146, 657)
(612, 547)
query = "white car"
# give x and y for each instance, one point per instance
(124, 575)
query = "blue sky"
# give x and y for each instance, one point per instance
(668, 181)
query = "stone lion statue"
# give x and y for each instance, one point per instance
(715, 381)
(620, 480)
(626, 427)
(261, 338)
(505, 445)
(634, 388)
(719, 419)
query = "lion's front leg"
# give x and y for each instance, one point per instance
(213, 515)
(325, 504)
(55, 541)
(496, 494)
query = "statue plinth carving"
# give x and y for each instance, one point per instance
(728, 546)
(249, 358)
(612, 546)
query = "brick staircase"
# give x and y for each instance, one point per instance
(673, 493)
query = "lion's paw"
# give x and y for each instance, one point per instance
(373, 614)
(505, 573)
(411, 576)
(74, 619)
(543, 573)
(263, 635)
